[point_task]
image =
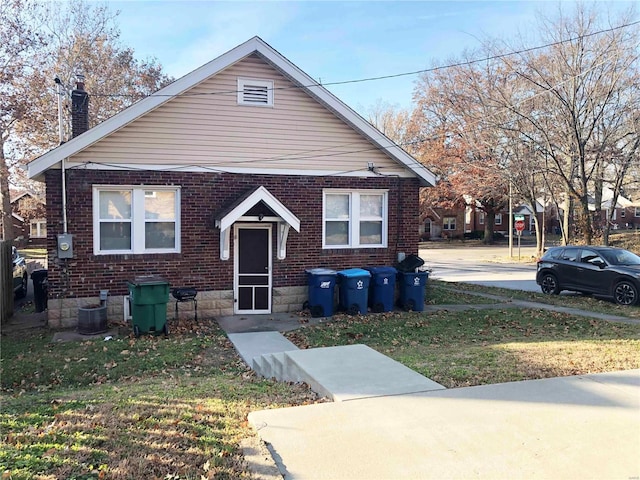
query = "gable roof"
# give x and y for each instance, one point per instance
(242, 205)
(255, 45)
(24, 194)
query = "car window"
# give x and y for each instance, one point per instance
(589, 256)
(570, 254)
(622, 257)
(552, 253)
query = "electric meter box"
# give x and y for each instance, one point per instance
(65, 245)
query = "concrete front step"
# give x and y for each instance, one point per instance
(254, 344)
(355, 371)
(339, 373)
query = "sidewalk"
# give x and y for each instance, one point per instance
(381, 427)
(572, 428)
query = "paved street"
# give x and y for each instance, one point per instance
(488, 266)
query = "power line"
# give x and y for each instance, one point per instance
(395, 75)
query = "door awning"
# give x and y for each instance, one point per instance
(238, 209)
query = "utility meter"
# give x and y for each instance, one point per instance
(65, 245)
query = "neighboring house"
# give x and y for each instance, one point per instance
(29, 220)
(442, 223)
(34, 227)
(547, 219)
(233, 179)
(625, 215)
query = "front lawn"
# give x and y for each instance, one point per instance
(153, 407)
(176, 407)
(475, 347)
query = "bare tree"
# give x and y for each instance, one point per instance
(582, 83)
(75, 37)
(19, 40)
(391, 120)
(455, 106)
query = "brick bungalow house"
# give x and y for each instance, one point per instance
(30, 224)
(233, 179)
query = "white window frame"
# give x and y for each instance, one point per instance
(38, 224)
(354, 217)
(623, 212)
(244, 82)
(498, 219)
(480, 218)
(446, 224)
(636, 213)
(138, 220)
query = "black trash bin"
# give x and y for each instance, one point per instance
(410, 264)
(40, 289)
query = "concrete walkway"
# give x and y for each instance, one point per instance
(571, 428)
(387, 421)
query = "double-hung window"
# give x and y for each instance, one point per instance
(38, 229)
(136, 220)
(355, 219)
(449, 223)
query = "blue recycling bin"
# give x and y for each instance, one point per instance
(412, 290)
(382, 288)
(354, 290)
(322, 282)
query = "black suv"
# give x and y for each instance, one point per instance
(607, 271)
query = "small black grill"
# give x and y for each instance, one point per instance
(184, 294)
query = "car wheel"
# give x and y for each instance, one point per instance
(625, 293)
(549, 284)
(22, 291)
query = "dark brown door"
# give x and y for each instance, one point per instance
(253, 277)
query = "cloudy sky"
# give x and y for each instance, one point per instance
(331, 41)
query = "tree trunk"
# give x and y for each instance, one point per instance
(7, 220)
(566, 219)
(489, 225)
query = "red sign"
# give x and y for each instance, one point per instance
(519, 225)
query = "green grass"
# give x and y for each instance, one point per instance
(151, 407)
(582, 302)
(176, 407)
(475, 347)
(440, 293)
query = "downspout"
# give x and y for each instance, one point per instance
(62, 163)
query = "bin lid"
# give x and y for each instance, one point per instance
(320, 271)
(148, 280)
(410, 263)
(382, 270)
(354, 272)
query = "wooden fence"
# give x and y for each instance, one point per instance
(6, 281)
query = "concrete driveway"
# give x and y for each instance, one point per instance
(489, 266)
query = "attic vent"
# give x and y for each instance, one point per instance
(255, 92)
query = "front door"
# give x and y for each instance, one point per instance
(252, 284)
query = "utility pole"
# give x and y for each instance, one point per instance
(510, 222)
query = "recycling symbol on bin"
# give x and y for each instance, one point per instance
(416, 281)
(360, 285)
(385, 281)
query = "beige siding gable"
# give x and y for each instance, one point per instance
(205, 128)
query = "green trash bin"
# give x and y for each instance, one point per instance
(149, 296)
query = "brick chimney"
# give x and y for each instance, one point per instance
(79, 108)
